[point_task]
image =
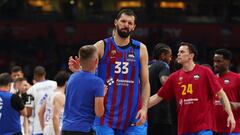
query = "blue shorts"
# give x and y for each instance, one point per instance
(226, 133)
(132, 130)
(203, 132)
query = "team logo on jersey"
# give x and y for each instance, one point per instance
(226, 81)
(196, 77)
(180, 79)
(131, 56)
(113, 52)
(110, 81)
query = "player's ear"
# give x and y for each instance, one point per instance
(134, 27)
(192, 55)
(115, 22)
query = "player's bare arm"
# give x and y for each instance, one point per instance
(41, 114)
(142, 113)
(224, 100)
(26, 125)
(58, 105)
(154, 99)
(235, 105)
(100, 48)
(99, 103)
(99, 106)
(23, 112)
(74, 62)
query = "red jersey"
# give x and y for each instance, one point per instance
(231, 85)
(194, 91)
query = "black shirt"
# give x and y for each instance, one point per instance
(17, 103)
(160, 113)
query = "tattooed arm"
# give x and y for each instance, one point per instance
(225, 102)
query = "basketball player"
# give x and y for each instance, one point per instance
(123, 66)
(230, 83)
(40, 90)
(195, 88)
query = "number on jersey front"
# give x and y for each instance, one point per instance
(186, 89)
(121, 67)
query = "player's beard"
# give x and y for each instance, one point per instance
(123, 34)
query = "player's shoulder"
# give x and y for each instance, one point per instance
(159, 64)
(51, 81)
(175, 75)
(203, 68)
(137, 44)
(98, 79)
(233, 74)
(58, 95)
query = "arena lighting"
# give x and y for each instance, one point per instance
(38, 3)
(172, 4)
(129, 4)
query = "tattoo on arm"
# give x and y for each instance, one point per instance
(222, 101)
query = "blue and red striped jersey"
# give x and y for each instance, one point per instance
(120, 69)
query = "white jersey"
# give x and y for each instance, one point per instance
(40, 91)
(48, 115)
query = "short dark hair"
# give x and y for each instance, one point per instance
(128, 12)
(39, 71)
(61, 77)
(16, 69)
(227, 55)
(5, 79)
(191, 48)
(159, 49)
(20, 80)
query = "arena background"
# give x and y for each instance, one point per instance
(47, 32)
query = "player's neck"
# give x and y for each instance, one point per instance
(40, 79)
(188, 66)
(121, 41)
(4, 88)
(61, 89)
(88, 70)
(223, 72)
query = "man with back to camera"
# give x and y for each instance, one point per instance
(123, 66)
(51, 112)
(84, 95)
(195, 88)
(39, 91)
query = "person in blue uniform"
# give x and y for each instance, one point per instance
(84, 95)
(11, 107)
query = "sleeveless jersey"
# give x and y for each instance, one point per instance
(40, 91)
(48, 115)
(120, 70)
(9, 117)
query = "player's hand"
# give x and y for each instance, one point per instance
(142, 116)
(234, 105)
(74, 64)
(105, 89)
(231, 122)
